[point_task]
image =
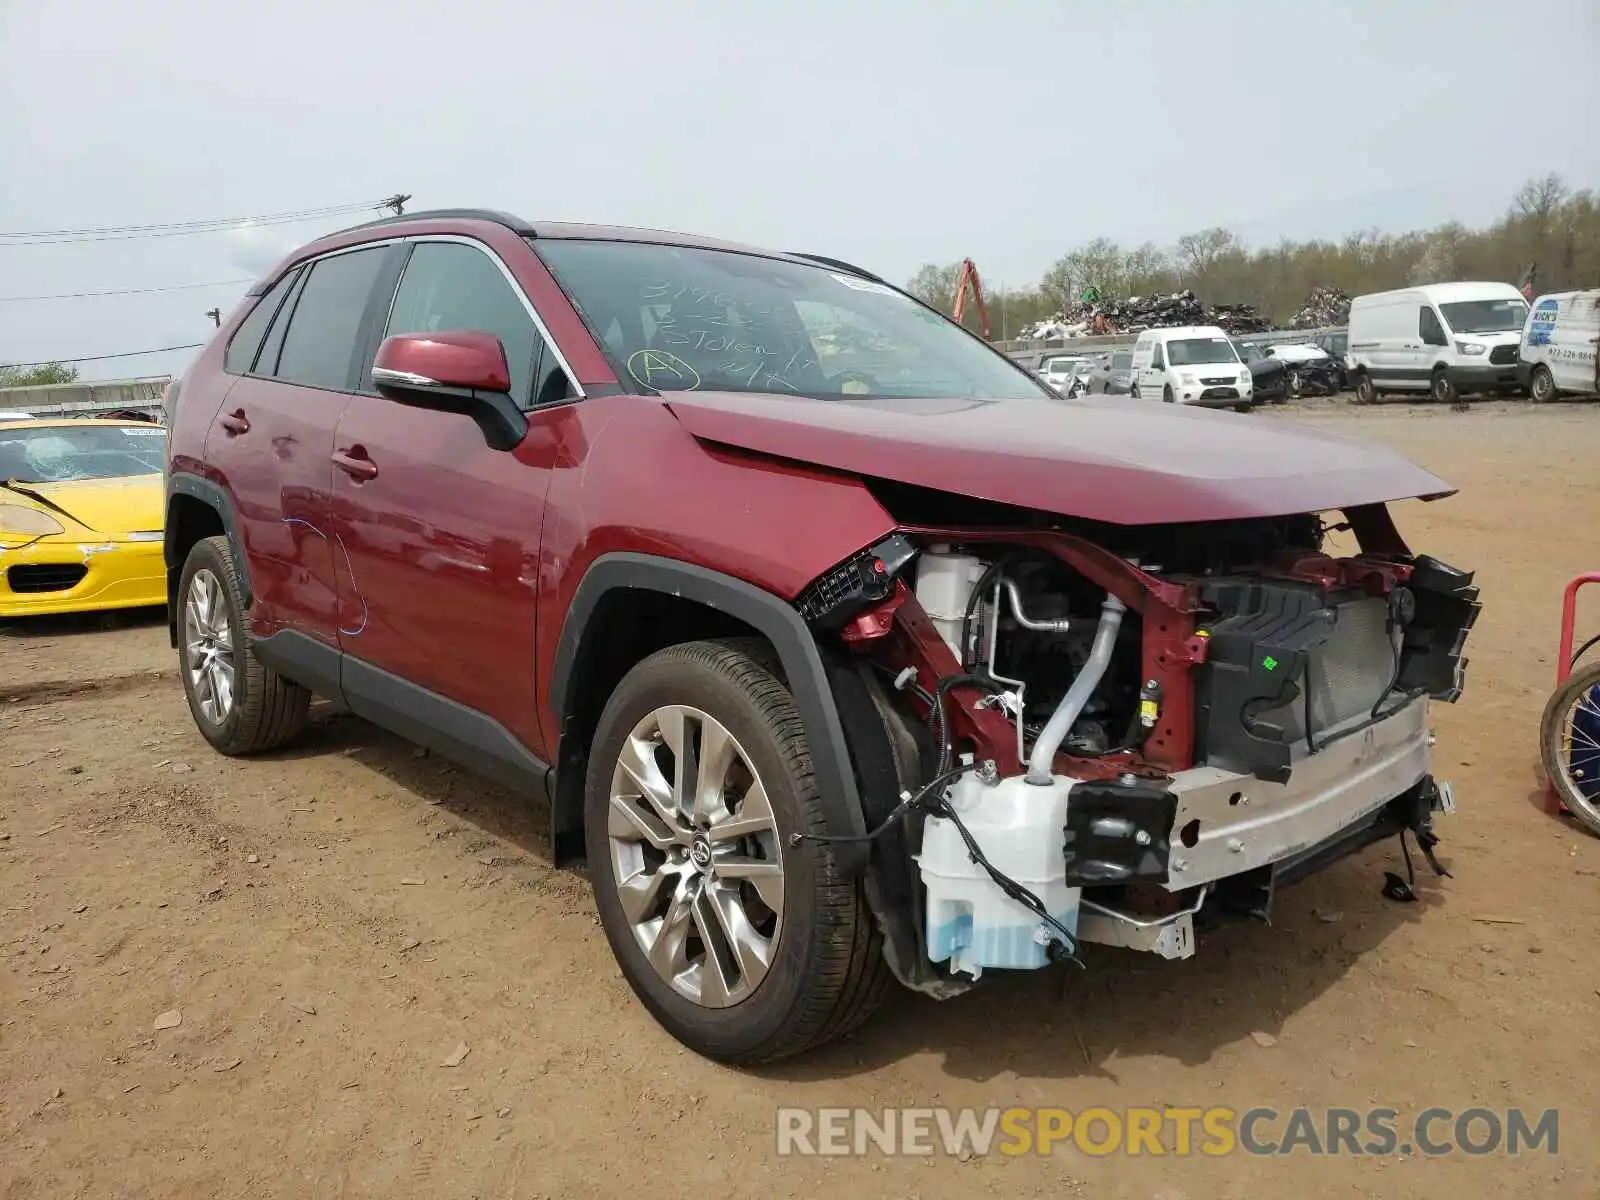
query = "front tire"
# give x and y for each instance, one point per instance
(1166, 395)
(239, 705)
(1443, 389)
(744, 947)
(1366, 390)
(1541, 385)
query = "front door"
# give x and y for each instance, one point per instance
(274, 434)
(441, 532)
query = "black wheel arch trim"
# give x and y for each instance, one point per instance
(767, 614)
(213, 496)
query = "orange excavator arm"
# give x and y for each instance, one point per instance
(969, 277)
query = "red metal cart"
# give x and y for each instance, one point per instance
(1569, 611)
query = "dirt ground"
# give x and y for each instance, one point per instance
(332, 923)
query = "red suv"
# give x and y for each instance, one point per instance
(840, 648)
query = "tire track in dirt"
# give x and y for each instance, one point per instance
(53, 691)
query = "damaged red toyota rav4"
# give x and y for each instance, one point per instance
(840, 649)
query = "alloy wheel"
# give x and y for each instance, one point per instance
(208, 646)
(696, 856)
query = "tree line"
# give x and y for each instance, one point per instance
(44, 373)
(1548, 228)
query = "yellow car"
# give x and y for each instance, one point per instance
(80, 516)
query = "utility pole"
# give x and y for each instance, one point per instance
(216, 316)
(396, 203)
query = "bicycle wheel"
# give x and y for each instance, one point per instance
(1569, 745)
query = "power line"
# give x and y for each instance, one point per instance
(119, 233)
(50, 362)
(292, 212)
(173, 287)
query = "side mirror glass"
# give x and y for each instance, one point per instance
(458, 371)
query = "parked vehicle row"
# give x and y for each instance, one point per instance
(1439, 340)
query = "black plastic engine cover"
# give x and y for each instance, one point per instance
(1105, 819)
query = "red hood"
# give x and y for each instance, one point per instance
(1127, 462)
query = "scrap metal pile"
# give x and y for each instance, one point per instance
(1138, 313)
(1326, 307)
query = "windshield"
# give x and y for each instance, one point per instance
(1061, 366)
(62, 453)
(677, 318)
(1250, 352)
(1122, 360)
(1195, 352)
(1485, 316)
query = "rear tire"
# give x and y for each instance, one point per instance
(1541, 385)
(239, 705)
(775, 951)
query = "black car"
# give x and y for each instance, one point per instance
(1269, 377)
(1336, 346)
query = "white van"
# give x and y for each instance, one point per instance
(1445, 339)
(1559, 345)
(1191, 364)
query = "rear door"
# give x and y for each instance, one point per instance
(443, 532)
(1571, 352)
(274, 433)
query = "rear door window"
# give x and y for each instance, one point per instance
(240, 357)
(319, 349)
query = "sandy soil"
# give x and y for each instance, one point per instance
(333, 922)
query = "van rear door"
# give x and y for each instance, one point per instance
(1571, 354)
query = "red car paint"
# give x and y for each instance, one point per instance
(1097, 458)
(397, 536)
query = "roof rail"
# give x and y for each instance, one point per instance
(516, 224)
(838, 263)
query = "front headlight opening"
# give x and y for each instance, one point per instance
(20, 521)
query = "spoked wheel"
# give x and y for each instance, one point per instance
(745, 944)
(695, 856)
(1569, 745)
(237, 703)
(208, 646)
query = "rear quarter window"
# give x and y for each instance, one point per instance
(246, 341)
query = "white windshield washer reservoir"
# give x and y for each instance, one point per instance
(1020, 827)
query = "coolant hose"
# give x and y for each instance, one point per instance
(1042, 761)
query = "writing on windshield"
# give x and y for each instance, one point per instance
(679, 318)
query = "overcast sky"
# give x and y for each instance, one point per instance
(887, 132)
